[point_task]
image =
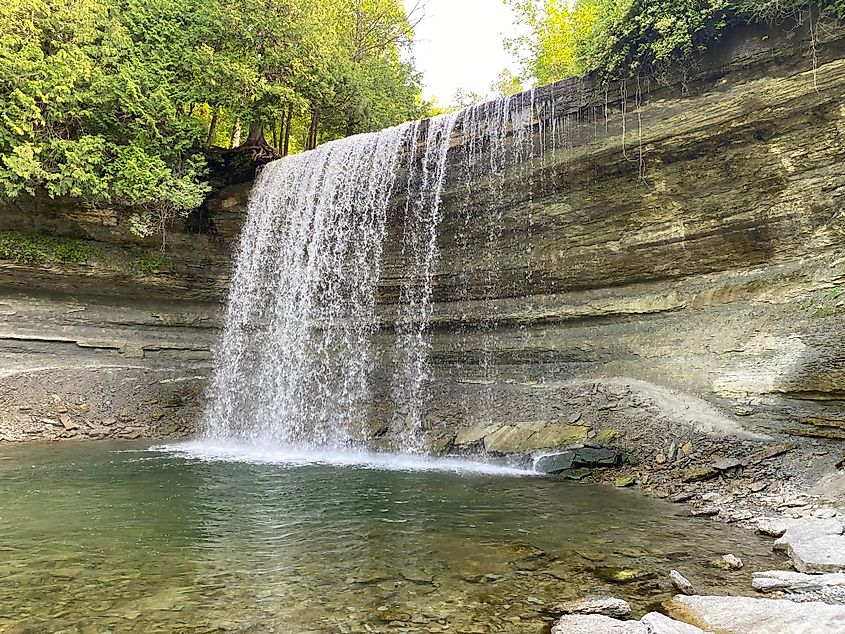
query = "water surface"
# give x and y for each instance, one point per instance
(113, 537)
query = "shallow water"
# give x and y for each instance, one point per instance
(113, 537)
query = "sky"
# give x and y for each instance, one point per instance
(459, 44)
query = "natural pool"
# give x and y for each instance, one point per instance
(113, 537)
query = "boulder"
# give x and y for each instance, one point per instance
(747, 615)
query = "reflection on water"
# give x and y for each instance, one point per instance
(117, 538)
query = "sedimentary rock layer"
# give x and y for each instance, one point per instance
(684, 240)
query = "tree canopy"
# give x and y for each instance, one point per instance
(624, 38)
(113, 101)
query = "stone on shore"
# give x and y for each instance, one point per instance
(661, 624)
(819, 555)
(747, 615)
(596, 624)
(815, 544)
(606, 606)
(829, 588)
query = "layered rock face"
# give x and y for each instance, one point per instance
(677, 262)
(681, 262)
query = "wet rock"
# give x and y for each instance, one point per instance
(829, 588)
(616, 608)
(746, 615)
(681, 583)
(555, 435)
(596, 457)
(475, 433)
(596, 624)
(507, 439)
(661, 624)
(623, 481)
(555, 463)
(621, 575)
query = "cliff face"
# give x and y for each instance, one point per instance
(678, 263)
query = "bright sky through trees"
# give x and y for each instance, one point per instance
(459, 44)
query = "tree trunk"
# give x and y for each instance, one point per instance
(236, 135)
(286, 142)
(256, 134)
(276, 136)
(212, 128)
(312, 131)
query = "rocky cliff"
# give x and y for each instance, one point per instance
(674, 265)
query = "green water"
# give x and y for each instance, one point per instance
(113, 538)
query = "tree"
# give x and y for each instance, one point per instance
(507, 84)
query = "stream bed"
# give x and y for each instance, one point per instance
(119, 537)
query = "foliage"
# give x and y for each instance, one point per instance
(149, 262)
(507, 84)
(113, 101)
(36, 249)
(618, 39)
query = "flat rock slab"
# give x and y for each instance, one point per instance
(829, 588)
(606, 606)
(652, 623)
(661, 624)
(806, 529)
(818, 555)
(747, 615)
(596, 624)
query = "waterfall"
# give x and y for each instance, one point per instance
(295, 362)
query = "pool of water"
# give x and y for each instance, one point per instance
(119, 537)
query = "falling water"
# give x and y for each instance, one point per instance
(419, 248)
(295, 363)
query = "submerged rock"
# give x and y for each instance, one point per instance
(555, 463)
(621, 575)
